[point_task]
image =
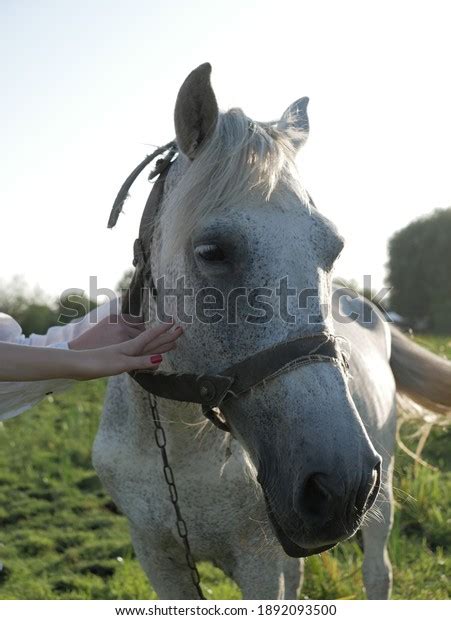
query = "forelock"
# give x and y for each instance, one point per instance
(241, 156)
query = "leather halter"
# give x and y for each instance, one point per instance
(210, 391)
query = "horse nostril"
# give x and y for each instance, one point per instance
(316, 498)
(368, 490)
(375, 485)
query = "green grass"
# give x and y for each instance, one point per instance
(61, 537)
(435, 343)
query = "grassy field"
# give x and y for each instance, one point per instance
(61, 536)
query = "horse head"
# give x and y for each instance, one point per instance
(239, 239)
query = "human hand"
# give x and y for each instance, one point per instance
(113, 329)
(143, 352)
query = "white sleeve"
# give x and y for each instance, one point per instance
(10, 330)
(18, 396)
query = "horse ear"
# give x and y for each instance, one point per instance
(196, 111)
(295, 117)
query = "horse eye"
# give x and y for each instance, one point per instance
(210, 252)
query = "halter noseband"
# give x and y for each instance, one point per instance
(210, 391)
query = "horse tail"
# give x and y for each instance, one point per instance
(422, 376)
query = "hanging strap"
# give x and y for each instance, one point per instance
(142, 277)
(170, 149)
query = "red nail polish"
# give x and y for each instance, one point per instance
(156, 359)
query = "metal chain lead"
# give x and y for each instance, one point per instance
(160, 438)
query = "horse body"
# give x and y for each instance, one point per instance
(311, 447)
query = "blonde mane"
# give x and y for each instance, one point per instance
(241, 156)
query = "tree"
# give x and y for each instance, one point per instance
(31, 308)
(419, 270)
(36, 312)
(73, 306)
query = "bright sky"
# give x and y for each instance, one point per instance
(87, 85)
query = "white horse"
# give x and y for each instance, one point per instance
(310, 447)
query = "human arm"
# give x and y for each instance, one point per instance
(18, 396)
(23, 363)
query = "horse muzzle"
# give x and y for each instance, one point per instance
(322, 514)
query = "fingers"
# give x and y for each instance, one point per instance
(164, 338)
(151, 350)
(132, 325)
(156, 340)
(159, 330)
(142, 362)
